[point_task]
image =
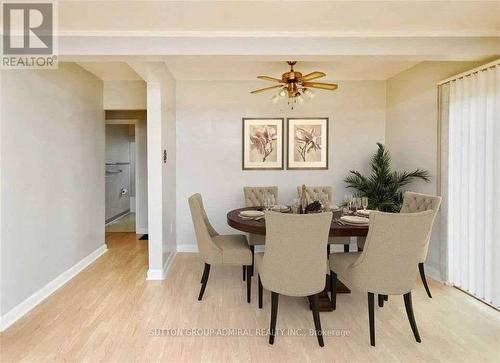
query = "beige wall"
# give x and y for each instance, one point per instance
(411, 128)
(209, 130)
(52, 183)
(124, 95)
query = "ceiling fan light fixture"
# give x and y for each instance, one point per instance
(294, 84)
(308, 93)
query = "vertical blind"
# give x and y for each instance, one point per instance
(474, 184)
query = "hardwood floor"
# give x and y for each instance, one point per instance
(107, 313)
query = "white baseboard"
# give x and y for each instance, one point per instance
(187, 248)
(160, 274)
(141, 230)
(24, 307)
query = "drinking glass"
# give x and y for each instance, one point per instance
(357, 203)
(296, 206)
(325, 202)
(266, 201)
(364, 202)
(272, 201)
(349, 199)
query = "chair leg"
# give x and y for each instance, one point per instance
(333, 289)
(274, 315)
(244, 272)
(249, 284)
(381, 301)
(204, 280)
(252, 248)
(371, 316)
(328, 251)
(411, 317)
(317, 322)
(424, 280)
(346, 248)
(260, 291)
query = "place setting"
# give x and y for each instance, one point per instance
(352, 215)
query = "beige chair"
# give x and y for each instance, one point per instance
(312, 193)
(412, 203)
(416, 202)
(255, 195)
(216, 249)
(294, 261)
(253, 198)
(388, 263)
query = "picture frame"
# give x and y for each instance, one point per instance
(263, 143)
(308, 143)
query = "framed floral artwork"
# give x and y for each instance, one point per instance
(263, 144)
(307, 143)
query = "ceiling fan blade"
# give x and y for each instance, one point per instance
(313, 75)
(266, 89)
(327, 86)
(272, 79)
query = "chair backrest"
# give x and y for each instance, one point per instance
(395, 241)
(254, 195)
(417, 202)
(209, 251)
(312, 193)
(295, 257)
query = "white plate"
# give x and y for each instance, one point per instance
(362, 212)
(251, 213)
(281, 208)
(354, 220)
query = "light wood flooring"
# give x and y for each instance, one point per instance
(108, 311)
(125, 223)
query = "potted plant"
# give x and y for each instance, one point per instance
(383, 187)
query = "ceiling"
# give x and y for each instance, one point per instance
(111, 71)
(309, 18)
(247, 68)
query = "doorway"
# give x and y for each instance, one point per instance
(126, 205)
(120, 178)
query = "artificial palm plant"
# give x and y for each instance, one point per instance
(384, 187)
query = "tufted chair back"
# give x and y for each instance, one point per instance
(254, 195)
(417, 202)
(312, 193)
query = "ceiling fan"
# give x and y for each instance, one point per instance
(293, 84)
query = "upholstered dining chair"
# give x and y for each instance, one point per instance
(216, 249)
(312, 193)
(412, 203)
(294, 261)
(388, 263)
(253, 198)
(417, 202)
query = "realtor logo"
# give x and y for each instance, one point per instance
(28, 35)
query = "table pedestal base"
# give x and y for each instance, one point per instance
(324, 299)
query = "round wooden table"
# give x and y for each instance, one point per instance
(336, 230)
(259, 227)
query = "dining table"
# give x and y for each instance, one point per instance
(337, 229)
